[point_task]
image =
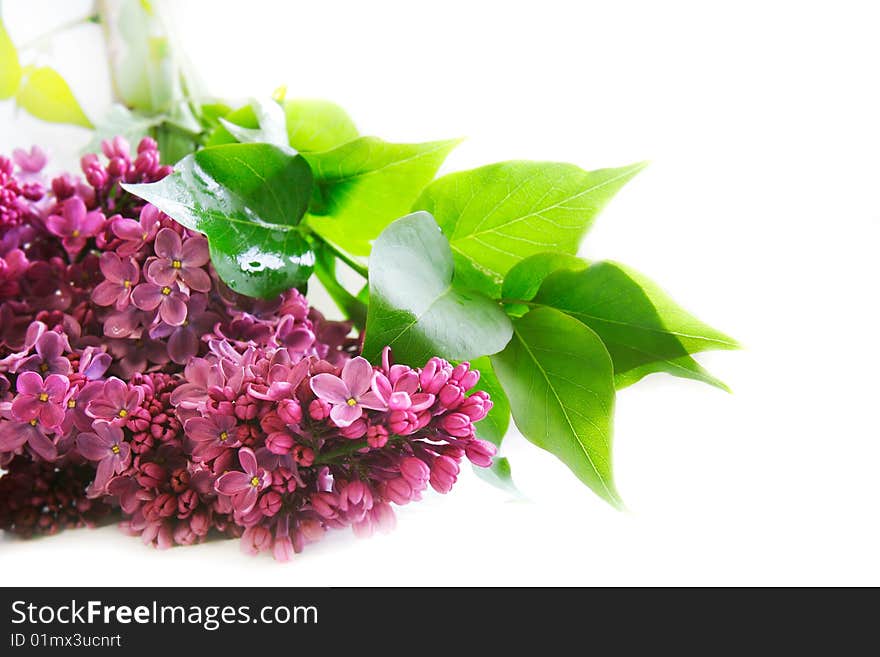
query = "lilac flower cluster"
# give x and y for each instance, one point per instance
(132, 378)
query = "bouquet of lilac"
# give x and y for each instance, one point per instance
(135, 383)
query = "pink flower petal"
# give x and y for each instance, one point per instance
(127, 229)
(56, 387)
(173, 310)
(167, 244)
(25, 408)
(147, 296)
(358, 376)
(196, 279)
(29, 383)
(248, 461)
(42, 445)
(51, 415)
(344, 415)
(92, 446)
(161, 272)
(330, 388)
(13, 435)
(232, 483)
(195, 252)
(373, 401)
(106, 293)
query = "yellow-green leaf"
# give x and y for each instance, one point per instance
(47, 96)
(10, 69)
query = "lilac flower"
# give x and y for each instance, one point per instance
(403, 394)
(170, 301)
(30, 162)
(348, 394)
(75, 403)
(183, 340)
(49, 359)
(120, 276)
(40, 400)
(14, 435)
(94, 363)
(178, 260)
(244, 487)
(134, 234)
(213, 435)
(116, 402)
(106, 445)
(75, 224)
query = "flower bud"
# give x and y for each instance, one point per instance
(414, 470)
(457, 424)
(290, 411)
(480, 452)
(279, 442)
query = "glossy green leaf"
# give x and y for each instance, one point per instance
(45, 95)
(270, 121)
(560, 381)
(244, 117)
(317, 125)
(248, 199)
(645, 331)
(312, 125)
(123, 122)
(364, 185)
(494, 426)
(499, 214)
(10, 68)
(414, 306)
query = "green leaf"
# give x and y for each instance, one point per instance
(560, 381)
(10, 68)
(311, 125)
(248, 199)
(119, 120)
(45, 95)
(494, 426)
(317, 125)
(271, 121)
(525, 277)
(364, 185)
(498, 474)
(243, 117)
(499, 214)
(211, 113)
(414, 307)
(645, 331)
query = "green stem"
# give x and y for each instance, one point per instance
(327, 458)
(325, 270)
(347, 259)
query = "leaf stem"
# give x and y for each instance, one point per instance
(347, 259)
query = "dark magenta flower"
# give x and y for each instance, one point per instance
(170, 301)
(244, 487)
(212, 435)
(14, 435)
(116, 402)
(183, 340)
(134, 234)
(120, 276)
(39, 399)
(349, 393)
(75, 224)
(106, 445)
(178, 260)
(49, 359)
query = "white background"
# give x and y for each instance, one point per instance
(759, 213)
